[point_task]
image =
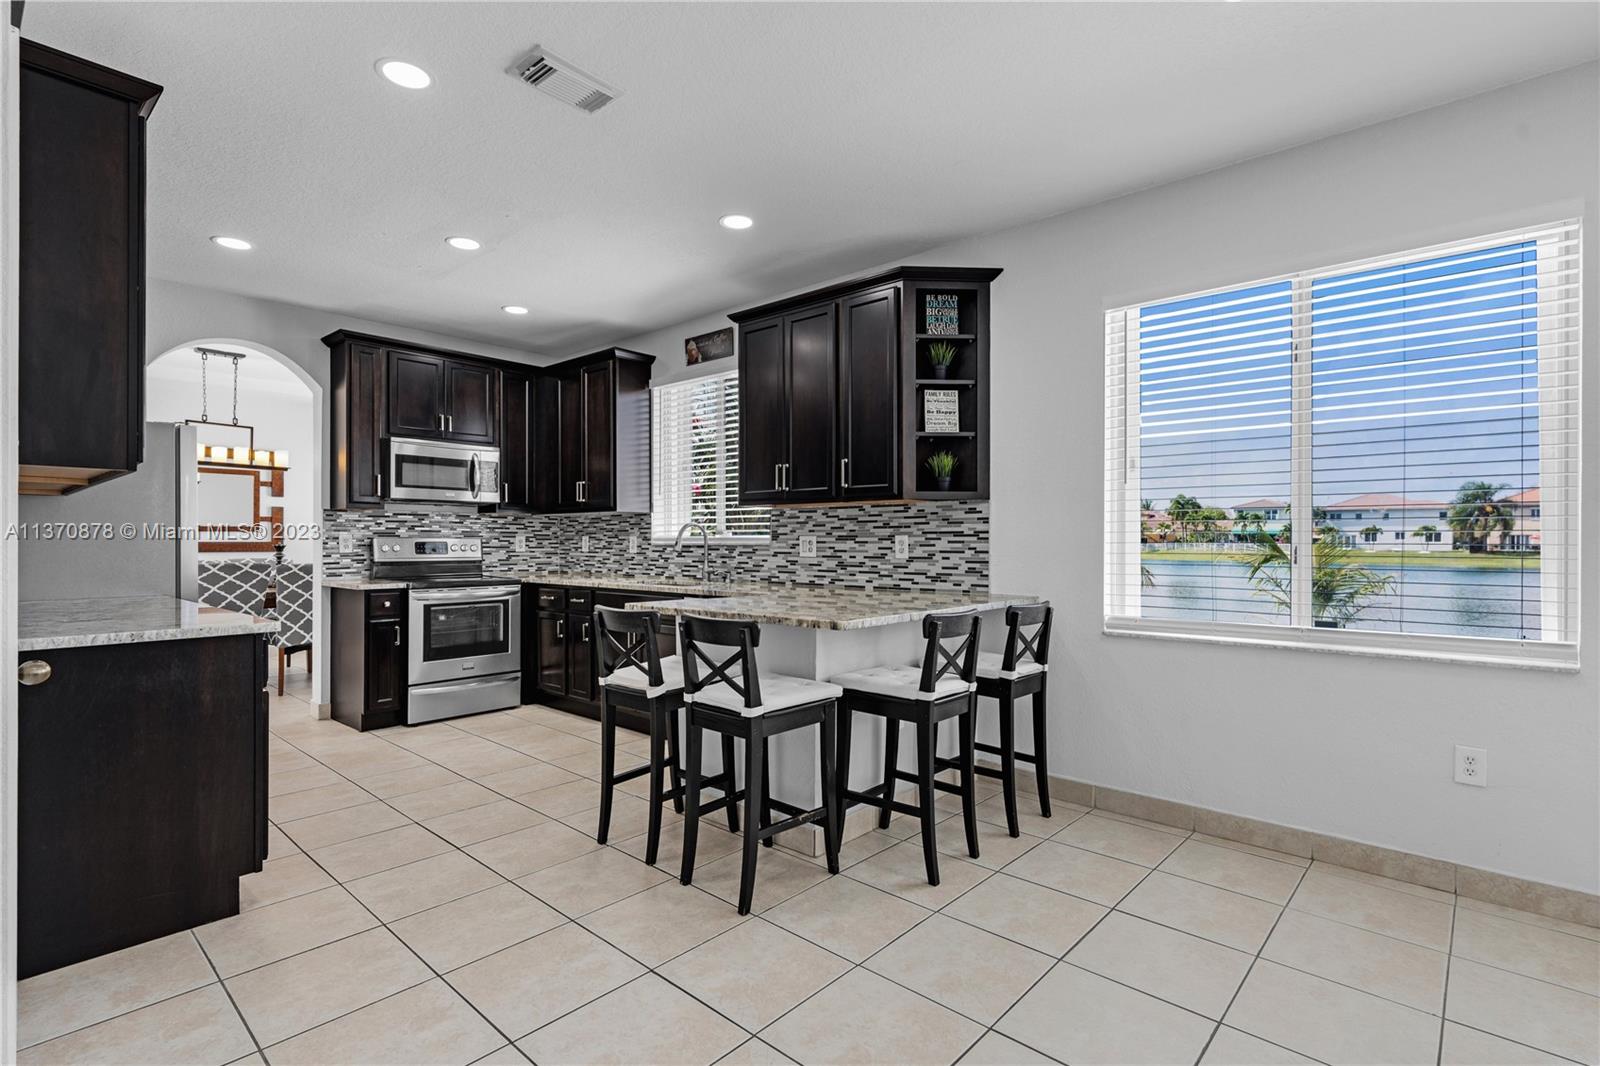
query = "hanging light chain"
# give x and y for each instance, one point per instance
(236, 359)
(204, 357)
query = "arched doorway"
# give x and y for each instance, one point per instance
(283, 403)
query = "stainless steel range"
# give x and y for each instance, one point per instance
(464, 654)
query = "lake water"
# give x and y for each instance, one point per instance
(1448, 600)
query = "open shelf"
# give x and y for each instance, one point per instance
(963, 433)
(945, 337)
(954, 383)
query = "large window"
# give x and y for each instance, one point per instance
(1378, 456)
(694, 432)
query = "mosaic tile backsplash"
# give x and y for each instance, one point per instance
(949, 544)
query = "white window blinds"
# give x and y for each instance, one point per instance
(695, 461)
(1420, 411)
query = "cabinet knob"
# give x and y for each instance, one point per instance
(34, 672)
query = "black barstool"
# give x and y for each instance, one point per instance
(633, 675)
(732, 698)
(1021, 670)
(943, 687)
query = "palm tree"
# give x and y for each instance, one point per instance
(1182, 510)
(1340, 589)
(1475, 514)
(1426, 533)
(1371, 534)
(1248, 522)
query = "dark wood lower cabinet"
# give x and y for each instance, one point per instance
(142, 793)
(369, 657)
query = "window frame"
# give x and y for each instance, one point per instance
(1561, 591)
(723, 501)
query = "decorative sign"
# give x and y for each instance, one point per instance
(718, 345)
(941, 314)
(941, 411)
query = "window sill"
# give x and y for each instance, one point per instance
(1474, 651)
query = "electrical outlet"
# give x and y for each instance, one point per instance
(1472, 766)
(522, 542)
(808, 547)
(347, 543)
(902, 546)
(583, 545)
(633, 544)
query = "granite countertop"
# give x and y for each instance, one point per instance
(576, 579)
(836, 608)
(46, 624)
(363, 583)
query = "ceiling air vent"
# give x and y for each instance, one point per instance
(554, 75)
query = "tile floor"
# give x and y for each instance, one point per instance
(435, 895)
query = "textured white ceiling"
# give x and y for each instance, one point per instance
(853, 133)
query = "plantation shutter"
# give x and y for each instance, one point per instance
(695, 460)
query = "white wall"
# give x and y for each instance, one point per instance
(1355, 747)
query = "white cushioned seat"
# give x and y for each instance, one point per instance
(636, 680)
(777, 692)
(901, 682)
(990, 662)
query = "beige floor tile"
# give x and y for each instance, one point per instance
(1397, 914)
(91, 991)
(538, 980)
(419, 885)
(1033, 915)
(281, 879)
(580, 765)
(363, 856)
(533, 849)
(467, 929)
(961, 967)
(569, 798)
(859, 848)
(482, 758)
(662, 922)
(1029, 820)
(393, 783)
(755, 1053)
(297, 805)
(1545, 1016)
(335, 827)
(754, 972)
(1119, 839)
(1394, 969)
(901, 870)
(847, 917)
(279, 845)
(527, 779)
(196, 1027)
(996, 847)
(446, 799)
(1529, 950)
(864, 1019)
(645, 1021)
(1086, 874)
(1588, 932)
(252, 1059)
(486, 725)
(1469, 1047)
(1132, 819)
(1230, 918)
(1079, 1017)
(1420, 891)
(591, 881)
(490, 820)
(1196, 974)
(506, 1056)
(283, 782)
(374, 760)
(1230, 1047)
(1252, 849)
(428, 1024)
(302, 992)
(1329, 1021)
(275, 932)
(996, 1050)
(629, 818)
(713, 842)
(779, 876)
(541, 744)
(1236, 871)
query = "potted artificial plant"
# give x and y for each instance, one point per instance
(942, 464)
(940, 355)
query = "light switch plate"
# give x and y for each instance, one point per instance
(347, 543)
(521, 542)
(808, 547)
(583, 545)
(633, 544)
(902, 546)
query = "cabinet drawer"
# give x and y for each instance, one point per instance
(390, 604)
(580, 599)
(552, 599)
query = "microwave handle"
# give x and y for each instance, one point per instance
(473, 478)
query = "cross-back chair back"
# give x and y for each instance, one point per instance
(628, 638)
(702, 639)
(938, 658)
(1027, 635)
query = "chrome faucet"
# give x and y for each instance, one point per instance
(705, 543)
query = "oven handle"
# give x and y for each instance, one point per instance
(457, 686)
(492, 592)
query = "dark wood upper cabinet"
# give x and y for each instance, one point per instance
(416, 395)
(81, 271)
(471, 403)
(518, 455)
(833, 385)
(598, 385)
(603, 431)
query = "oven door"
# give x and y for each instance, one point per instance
(428, 470)
(464, 632)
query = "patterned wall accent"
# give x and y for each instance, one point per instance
(240, 585)
(949, 544)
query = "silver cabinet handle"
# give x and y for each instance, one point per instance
(786, 485)
(34, 672)
(777, 476)
(844, 473)
(450, 423)
(441, 423)
(561, 630)
(397, 636)
(585, 631)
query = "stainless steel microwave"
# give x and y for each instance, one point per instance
(443, 472)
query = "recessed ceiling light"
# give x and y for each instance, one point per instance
(236, 243)
(466, 244)
(736, 221)
(513, 309)
(406, 75)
